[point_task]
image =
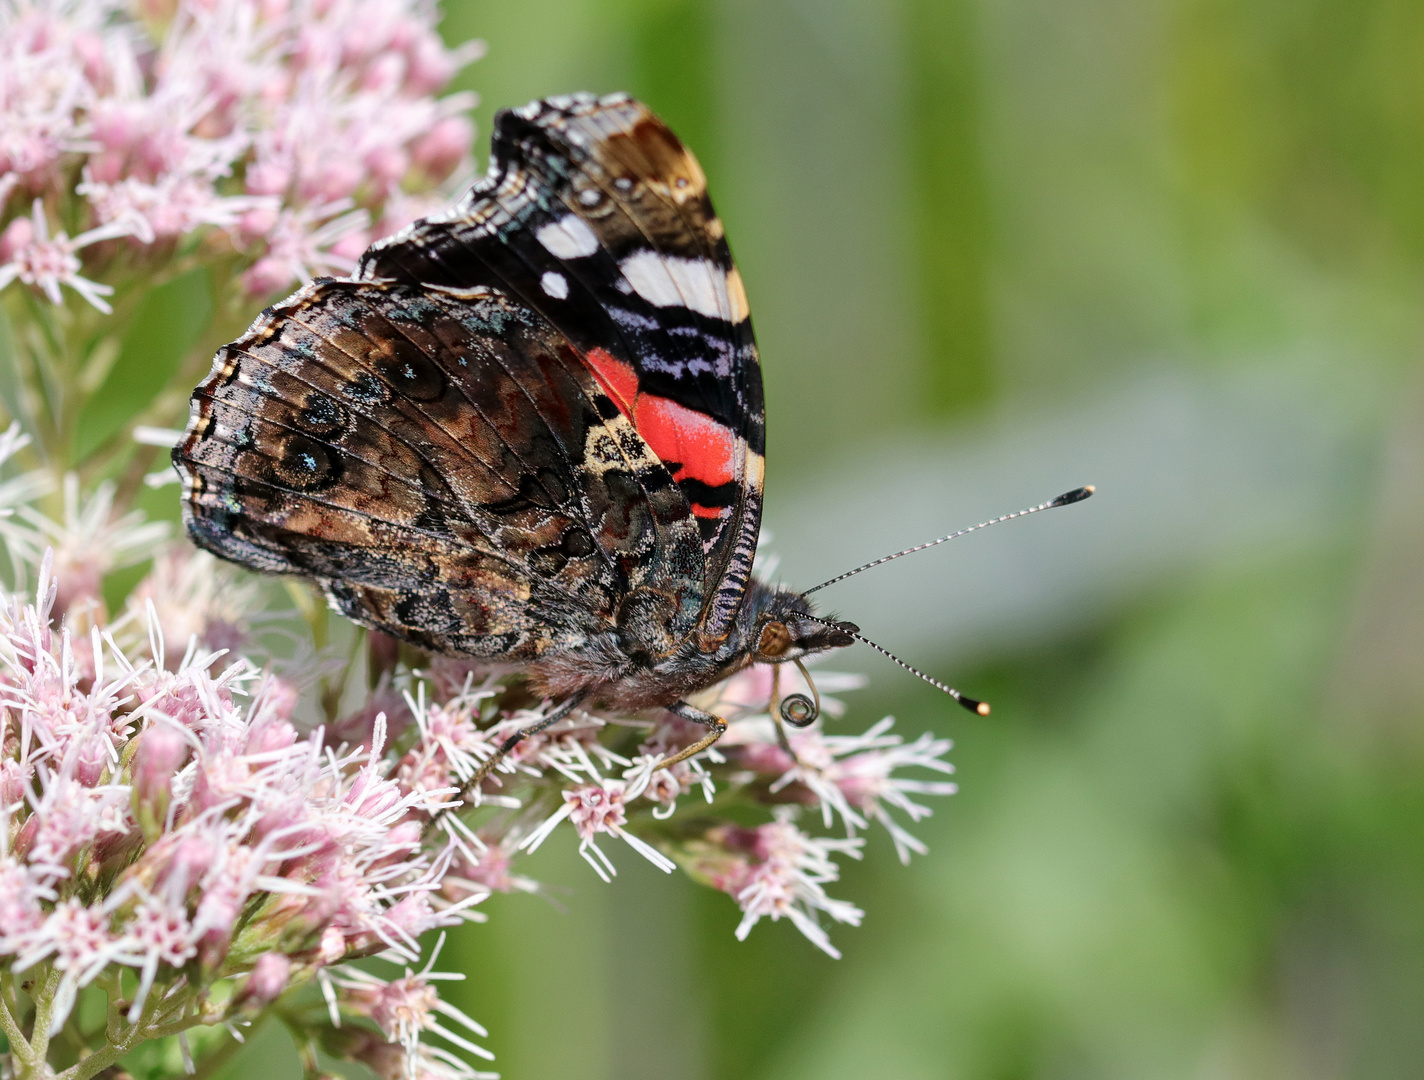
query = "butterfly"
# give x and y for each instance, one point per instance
(529, 430)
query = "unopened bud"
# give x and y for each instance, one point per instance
(267, 275)
(90, 759)
(161, 753)
(12, 782)
(17, 235)
(333, 945)
(443, 147)
(268, 979)
(272, 735)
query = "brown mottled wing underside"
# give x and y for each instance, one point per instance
(442, 462)
(597, 217)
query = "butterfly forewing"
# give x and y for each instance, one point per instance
(597, 217)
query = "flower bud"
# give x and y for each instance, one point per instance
(413, 915)
(351, 245)
(267, 178)
(25, 838)
(443, 147)
(12, 782)
(17, 235)
(334, 179)
(161, 753)
(273, 735)
(90, 759)
(279, 698)
(267, 276)
(89, 47)
(333, 945)
(384, 74)
(430, 65)
(114, 129)
(105, 167)
(257, 222)
(190, 861)
(219, 782)
(387, 165)
(268, 979)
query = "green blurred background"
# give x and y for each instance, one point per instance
(995, 250)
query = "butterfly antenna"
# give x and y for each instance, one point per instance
(1066, 499)
(972, 704)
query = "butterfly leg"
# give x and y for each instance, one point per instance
(549, 719)
(715, 726)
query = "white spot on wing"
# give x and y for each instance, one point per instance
(676, 282)
(556, 285)
(568, 238)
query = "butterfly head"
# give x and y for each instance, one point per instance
(785, 630)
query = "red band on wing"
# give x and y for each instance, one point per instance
(619, 381)
(704, 449)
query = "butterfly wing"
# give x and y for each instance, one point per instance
(445, 465)
(594, 215)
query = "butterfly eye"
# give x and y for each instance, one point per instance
(774, 641)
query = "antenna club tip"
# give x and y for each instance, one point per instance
(974, 705)
(982, 708)
(1076, 495)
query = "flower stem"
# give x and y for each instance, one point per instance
(35, 1064)
(19, 1045)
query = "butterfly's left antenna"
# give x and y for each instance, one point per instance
(1068, 498)
(972, 704)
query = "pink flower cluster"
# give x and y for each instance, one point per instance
(774, 871)
(777, 871)
(154, 823)
(289, 132)
(173, 825)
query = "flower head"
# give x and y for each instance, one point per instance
(783, 878)
(277, 131)
(405, 1008)
(29, 254)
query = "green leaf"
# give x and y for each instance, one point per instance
(168, 324)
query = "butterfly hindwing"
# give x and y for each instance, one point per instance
(595, 216)
(444, 464)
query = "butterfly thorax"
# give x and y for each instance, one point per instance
(626, 669)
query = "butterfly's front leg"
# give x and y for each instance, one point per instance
(549, 719)
(715, 725)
